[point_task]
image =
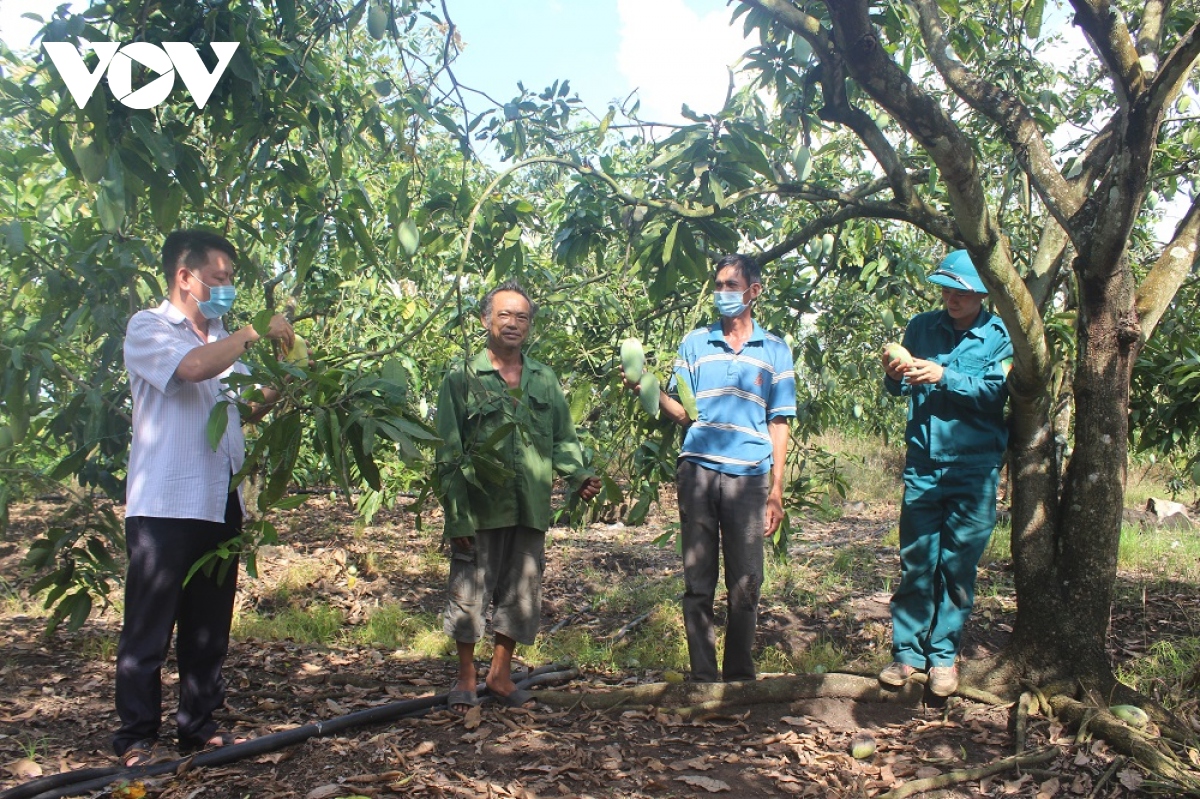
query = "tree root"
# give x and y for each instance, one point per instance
(698, 698)
(969, 774)
(1149, 752)
(691, 701)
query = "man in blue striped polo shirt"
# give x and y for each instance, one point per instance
(730, 471)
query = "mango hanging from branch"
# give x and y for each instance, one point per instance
(633, 359)
(648, 389)
(298, 354)
(377, 20)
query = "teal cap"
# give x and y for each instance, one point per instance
(956, 271)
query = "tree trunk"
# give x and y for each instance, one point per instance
(1065, 544)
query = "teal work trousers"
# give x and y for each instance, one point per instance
(945, 523)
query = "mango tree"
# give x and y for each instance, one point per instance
(909, 129)
(308, 155)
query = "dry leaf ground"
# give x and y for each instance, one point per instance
(56, 692)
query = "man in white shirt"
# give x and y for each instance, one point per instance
(178, 499)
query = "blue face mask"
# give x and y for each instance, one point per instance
(729, 303)
(220, 300)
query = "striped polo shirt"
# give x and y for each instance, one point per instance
(737, 393)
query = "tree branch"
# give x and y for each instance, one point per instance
(936, 225)
(1105, 29)
(1062, 199)
(1174, 72)
(1150, 34)
(914, 787)
(891, 87)
(832, 77)
(1178, 258)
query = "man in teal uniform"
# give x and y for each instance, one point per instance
(956, 437)
(506, 430)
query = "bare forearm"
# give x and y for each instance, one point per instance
(673, 409)
(780, 434)
(209, 360)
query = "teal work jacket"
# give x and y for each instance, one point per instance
(501, 447)
(960, 420)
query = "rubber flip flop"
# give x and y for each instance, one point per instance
(457, 698)
(518, 698)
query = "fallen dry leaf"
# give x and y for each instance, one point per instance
(26, 716)
(1131, 779)
(473, 717)
(707, 783)
(324, 792)
(24, 769)
(1048, 789)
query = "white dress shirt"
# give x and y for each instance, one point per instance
(173, 472)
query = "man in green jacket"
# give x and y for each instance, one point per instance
(506, 430)
(955, 382)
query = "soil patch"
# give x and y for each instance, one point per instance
(56, 704)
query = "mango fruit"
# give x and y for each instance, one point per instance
(648, 388)
(1132, 715)
(377, 20)
(633, 359)
(862, 746)
(410, 237)
(91, 159)
(895, 352)
(298, 354)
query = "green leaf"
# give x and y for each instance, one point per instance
(166, 202)
(218, 421)
(71, 464)
(78, 606)
(262, 322)
(292, 502)
(1035, 11)
(361, 440)
(669, 244)
(161, 149)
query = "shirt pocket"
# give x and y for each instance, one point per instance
(485, 414)
(970, 365)
(541, 421)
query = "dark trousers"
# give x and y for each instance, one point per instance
(721, 513)
(161, 552)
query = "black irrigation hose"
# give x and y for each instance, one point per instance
(76, 783)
